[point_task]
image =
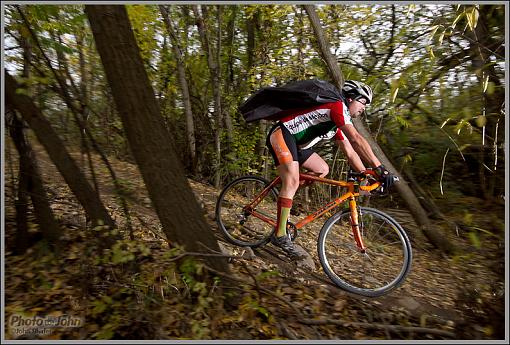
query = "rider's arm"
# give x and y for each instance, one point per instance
(360, 145)
(352, 156)
(340, 115)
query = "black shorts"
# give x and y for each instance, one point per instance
(283, 146)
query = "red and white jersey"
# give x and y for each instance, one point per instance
(311, 125)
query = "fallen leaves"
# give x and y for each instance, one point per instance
(278, 300)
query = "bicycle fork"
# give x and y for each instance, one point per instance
(356, 224)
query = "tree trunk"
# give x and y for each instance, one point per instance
(84, 105)
(419, 214)
(324, 48)
(214, 69)
(178, 210)
(32, 181)
(299, 32)
(230, 72)
(181, 72)
(251, 26)
(73, 176)
(217, 98)
(21, 242)
(63, 65)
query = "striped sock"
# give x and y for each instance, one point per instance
(284, 206)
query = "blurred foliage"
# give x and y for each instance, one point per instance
(431, 81)
(438, 74)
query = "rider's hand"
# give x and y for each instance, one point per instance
(385, 178)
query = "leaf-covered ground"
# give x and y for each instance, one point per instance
(134, 292)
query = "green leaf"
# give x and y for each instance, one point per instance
(99, 307)
(120, 255)
(104, 334)
(263, 311)
(475, 239)
(468, 218)
(59, 47)
(407, 159)
(267, 274)
(21, 91)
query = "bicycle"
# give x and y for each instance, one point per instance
(361, 249)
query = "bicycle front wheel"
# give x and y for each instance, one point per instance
(240, 227)
(385, 263)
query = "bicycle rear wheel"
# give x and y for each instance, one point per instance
(239, 227)
(383, 266)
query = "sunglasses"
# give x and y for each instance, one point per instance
(362, 100)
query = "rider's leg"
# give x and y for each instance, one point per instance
(316, 165)
(283, 148)
(289, 174)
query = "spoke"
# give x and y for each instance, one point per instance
(386, 234)
(382, 254)
(378, 230)
(395, 242)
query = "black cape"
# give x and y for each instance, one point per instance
(271, 103)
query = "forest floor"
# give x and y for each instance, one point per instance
(443, 297)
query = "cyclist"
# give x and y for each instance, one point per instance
(291, 139)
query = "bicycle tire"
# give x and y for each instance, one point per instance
(237, 227)
(388, 255)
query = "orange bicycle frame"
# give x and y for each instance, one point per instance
(351, 194)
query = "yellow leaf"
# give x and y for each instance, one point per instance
(423, 320)
(435, 27)
(57, 284)
(444, 123)
(490, 88)
(481, 120)
(431, 52)
(457, 19)
(394, 95)
(72, 255)
(37, 309)
(410, 8)
(485, 83)
(441, 37)
(56, 313)
(473, 18)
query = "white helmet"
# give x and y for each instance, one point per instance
(356, 89)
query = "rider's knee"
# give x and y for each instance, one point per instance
(292, 182)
